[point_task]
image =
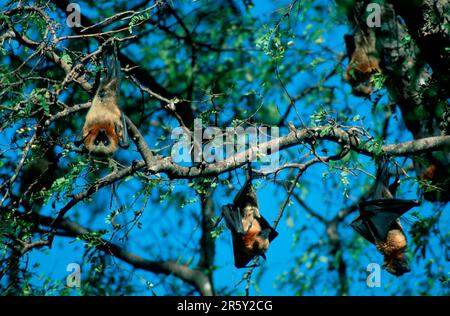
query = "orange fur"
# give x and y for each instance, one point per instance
(253, 243)
(393, 250)
(92, 134)
(364, 62)
(359, 72)
(430, 173)
(103, 114)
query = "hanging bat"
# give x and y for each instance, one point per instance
(361, 50)
(379, 223)
(250, 231)
(105, 128)
(435, 170)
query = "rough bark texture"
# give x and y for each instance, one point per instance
(421, 95)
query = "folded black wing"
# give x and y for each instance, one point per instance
(272, 233)
(378, 215)
(363, 229)
(233, 219)
(241, 258)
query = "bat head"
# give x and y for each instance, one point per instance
(101, 139)
(397, 264)
(395, 260)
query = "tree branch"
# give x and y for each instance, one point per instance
(193, 277)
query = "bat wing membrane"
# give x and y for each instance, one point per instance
(363, 229)
(266, 226)
(378, 215)
(233, 219)
(124, 140)
(241, 258)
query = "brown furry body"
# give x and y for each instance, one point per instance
(252, 242)
(103, 116)
(250, 231)
(394, 250)
(363, 64)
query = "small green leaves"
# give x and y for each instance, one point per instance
(66, 59)
(138, 19)
(273, 42)
(319, 117)
(378, 80)
(39, 97)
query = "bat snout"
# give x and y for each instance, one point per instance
(102, 138)
(399, 270)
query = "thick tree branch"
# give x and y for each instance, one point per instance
(193, 277)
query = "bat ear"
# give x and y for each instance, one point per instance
(124, 140)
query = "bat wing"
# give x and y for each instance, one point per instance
(349, 44)
(378, 215)
(266, 226)
(363, 229)
(241, 258)
(124, 140)
(233, 219)
(111, 62)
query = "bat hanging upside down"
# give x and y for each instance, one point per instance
(379, 223)
(250, 231)
(364, 62)
(105, 128)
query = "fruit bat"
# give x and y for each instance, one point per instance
(435, 170)
(379, 222)
(105, 128)
(361, 50)
(250, 231)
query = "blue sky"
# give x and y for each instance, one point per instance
(285, 252)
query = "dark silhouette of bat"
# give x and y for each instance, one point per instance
(250, 231)
(105, 127)
(379, 222)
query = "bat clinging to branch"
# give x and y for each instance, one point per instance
(363, 62)
(379, 223)
(250, 231)
(105, 128)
